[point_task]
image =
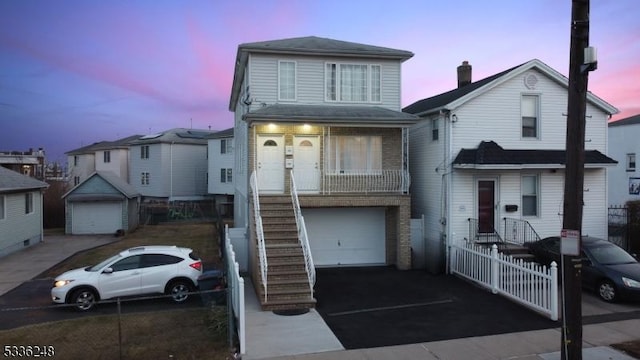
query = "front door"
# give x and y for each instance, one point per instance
(270, 163)
(306, 160)
(486, 206)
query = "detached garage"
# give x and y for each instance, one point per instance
(102, 204)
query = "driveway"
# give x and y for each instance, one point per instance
(381, 306)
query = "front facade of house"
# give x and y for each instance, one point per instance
(319, 120)
(220, 157)
(21, 214)
(112, 156)
(488, 158)
(624, 178)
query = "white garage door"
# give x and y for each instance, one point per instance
(96, 218)
(346, 236)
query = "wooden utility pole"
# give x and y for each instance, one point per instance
(574, 179)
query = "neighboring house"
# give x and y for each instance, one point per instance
(104, 203)
(30, 163)
(170, 165)
(21, 214)
(624, 146)
(328, 113)
(220, 179)
(110, 156)
(488, 159)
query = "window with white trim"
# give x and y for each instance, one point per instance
(144, 152)
(76, 180)
(226, 146)
(530, 116)
(435, 129)
(106, 156)
(354, 154)
(353, 82)
(530, 189)
(286, 80)
(2, 207)
(28, 203)
(226, 175)
(145, 178)
(631, 162)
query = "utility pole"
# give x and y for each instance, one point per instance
(579, 67)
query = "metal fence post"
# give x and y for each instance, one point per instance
(494, 269)
(553, 271)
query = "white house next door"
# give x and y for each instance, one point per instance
(270, 163)
(306, 163)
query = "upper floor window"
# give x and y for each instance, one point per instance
(631, 162)
(355, 154)
(144, 152)
(2, 207)
(286, 80)
(530, 116)
(530, 195)
(226, 146)
(75, 160)
(435, 129)
(107, 156)
(28, 203)
(144, 178)
(353, 82)
(76, 180)
(226, 175)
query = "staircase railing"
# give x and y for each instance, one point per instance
(491, 236)
(519, 231)
(262, 252)
(302, 235)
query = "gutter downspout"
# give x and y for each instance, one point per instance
(171, 170)
(446, 211)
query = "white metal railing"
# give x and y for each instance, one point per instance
(235, 285)
(302, 235)
(530, 284)
(364, 181)
(262, 252)
(519, 231)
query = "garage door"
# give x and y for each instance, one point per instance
(346, 236)
(96, 218)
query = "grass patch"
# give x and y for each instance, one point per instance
(632, 348)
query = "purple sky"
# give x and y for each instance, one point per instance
(76, 72)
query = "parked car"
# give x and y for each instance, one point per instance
(607, 269)
(141, 270)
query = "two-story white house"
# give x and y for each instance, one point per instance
(321, 149)
(488, 158)
(221, 162)
(624, 146)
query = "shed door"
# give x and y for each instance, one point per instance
(96, 217)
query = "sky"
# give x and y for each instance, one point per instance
(74, 72)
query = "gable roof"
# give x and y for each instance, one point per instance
(632, 120)
(308, 45)
(489, 154)
(112, 179)
(11, 181)
(452, 99)
(104, 145)
(227, 133)
(374, 115)
(177, 136)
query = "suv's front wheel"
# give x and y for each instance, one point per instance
(179, 290)
(84, 299)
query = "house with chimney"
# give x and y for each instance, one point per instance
(488, 159)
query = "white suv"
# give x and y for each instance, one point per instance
(168, 270)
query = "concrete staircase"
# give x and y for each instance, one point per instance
(287, 283)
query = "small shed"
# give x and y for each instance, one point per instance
(102, 204)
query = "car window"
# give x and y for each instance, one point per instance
(611, 255)
(104, 263)
(128, 263)
(149, 260)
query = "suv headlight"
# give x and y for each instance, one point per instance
(630, 282)
(60, 283)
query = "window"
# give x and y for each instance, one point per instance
(151, 260)
(144, 178)
(2, 207)
(631, 162)
(28, 203)
(529, 195)
(355, 154)
(529, 116)
(226, 175)
(226, 146)
(435, 129)
(75, 160)
(76, 180)
(107, 156)
(144, 152)
(353, 82)
(286, 80)
(128, 263)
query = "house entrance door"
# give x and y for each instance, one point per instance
(270, 163)
(306, 163)
(486, 206)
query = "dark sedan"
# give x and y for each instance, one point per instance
(606, 268)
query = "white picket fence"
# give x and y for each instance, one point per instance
(235, 284)
(529, 284)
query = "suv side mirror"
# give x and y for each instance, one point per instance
(108, 271)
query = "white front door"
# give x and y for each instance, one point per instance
(306, 163)
(271, 163)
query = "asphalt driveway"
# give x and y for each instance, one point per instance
(381, 306)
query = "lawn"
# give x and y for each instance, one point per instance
(173, 333)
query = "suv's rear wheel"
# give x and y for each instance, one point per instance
(84, 299)
(179, 290)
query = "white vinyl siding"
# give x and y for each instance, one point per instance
(18, 228)
(219, 163)
(287, 80)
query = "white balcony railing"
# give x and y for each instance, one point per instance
(353, 181)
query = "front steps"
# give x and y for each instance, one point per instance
(287, 283)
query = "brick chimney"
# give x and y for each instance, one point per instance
(464, 74)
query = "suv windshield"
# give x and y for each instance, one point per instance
(611, 255)
(99, 266)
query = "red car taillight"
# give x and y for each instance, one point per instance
(197, 265)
